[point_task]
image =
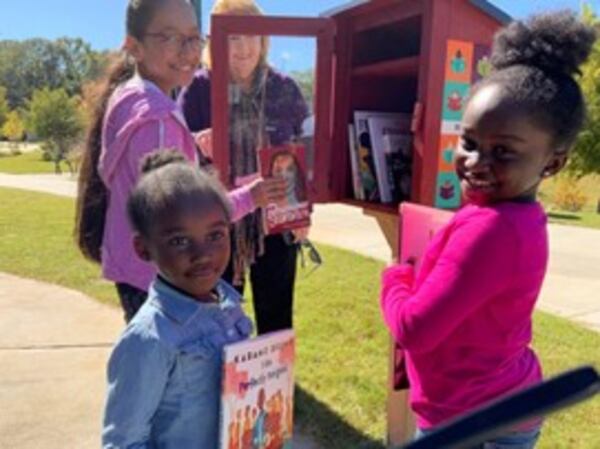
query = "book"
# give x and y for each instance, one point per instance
(356, 184)
(287, 161)
(257, 399)
(366, 163)
(417, 226)
(397, 149)
(384, 126)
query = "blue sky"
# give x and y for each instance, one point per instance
(101, 22)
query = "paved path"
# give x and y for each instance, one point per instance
(53, 352)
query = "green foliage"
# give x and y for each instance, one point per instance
(66, 63)
(3, 106)
(55, 118)
(586, 154)
(305, 80)
(568, 195)
(13, 127)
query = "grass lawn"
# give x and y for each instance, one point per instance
(342, 343)
(27, 162)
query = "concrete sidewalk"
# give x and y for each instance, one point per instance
(53, 352)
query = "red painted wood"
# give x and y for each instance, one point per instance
(323, 29)
(394, 68)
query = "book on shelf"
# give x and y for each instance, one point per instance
(397, 149)
(287, 161)
(353, 148)
(392, 154)
(366, 163)
(257, 399)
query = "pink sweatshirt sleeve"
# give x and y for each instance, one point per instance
(241, 203)
(146, 139)
(475, 264)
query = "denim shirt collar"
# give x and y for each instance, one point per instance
(181, 307)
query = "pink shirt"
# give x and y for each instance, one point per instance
(140, 119)
(465, 321)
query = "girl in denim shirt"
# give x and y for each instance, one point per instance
(164, 375)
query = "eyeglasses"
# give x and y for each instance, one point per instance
(313, 255)
(177, 43)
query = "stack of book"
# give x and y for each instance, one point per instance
(381, 156)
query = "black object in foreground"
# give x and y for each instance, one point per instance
(496, 418)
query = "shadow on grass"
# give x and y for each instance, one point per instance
(563, 216)
(328, 428)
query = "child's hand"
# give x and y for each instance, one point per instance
(266, 191)
(204, 141)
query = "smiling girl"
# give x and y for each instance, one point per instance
(136, 115)
(164, 375)
(465, 320)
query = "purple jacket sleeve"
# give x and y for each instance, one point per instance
(241, 203)
(475, 264)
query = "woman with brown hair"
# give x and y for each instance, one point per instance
(266, 108)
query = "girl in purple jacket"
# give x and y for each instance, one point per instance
(135, 116)
(464, 319)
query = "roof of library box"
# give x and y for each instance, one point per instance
(484, 5)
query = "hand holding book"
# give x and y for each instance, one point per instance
(266, 191)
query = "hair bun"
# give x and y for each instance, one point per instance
(160, 158)
(554, 42)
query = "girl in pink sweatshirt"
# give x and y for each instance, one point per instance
(135, 116)
(464, 320)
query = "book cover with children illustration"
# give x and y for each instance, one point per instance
(257, 398)
(288, 162)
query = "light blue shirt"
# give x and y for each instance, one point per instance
(164, 375)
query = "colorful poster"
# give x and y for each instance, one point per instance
(466, 63)
(288, 162)
(459, 61)
(448, 145)
(455, 95)
(481, 63)
(257, 401)
(447, 190)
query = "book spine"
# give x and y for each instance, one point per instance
(352, 146)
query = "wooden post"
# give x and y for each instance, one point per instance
(400, 419)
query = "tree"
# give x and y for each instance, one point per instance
(26, 66)
(55, 118)
(3, 106)
(585, 157)
(13, 128)
(305, 80)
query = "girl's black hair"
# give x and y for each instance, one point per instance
(92, 195)
(535, 63)
(168, 181)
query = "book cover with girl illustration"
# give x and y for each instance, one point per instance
(257, 398)
(287, 162)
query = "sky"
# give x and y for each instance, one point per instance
(101, 22)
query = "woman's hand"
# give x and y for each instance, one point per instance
(204, 141)
(268, 190)
(300, 234)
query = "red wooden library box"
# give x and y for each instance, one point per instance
(411, 56)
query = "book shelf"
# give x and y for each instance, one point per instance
(395, 68)
(402, 56)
